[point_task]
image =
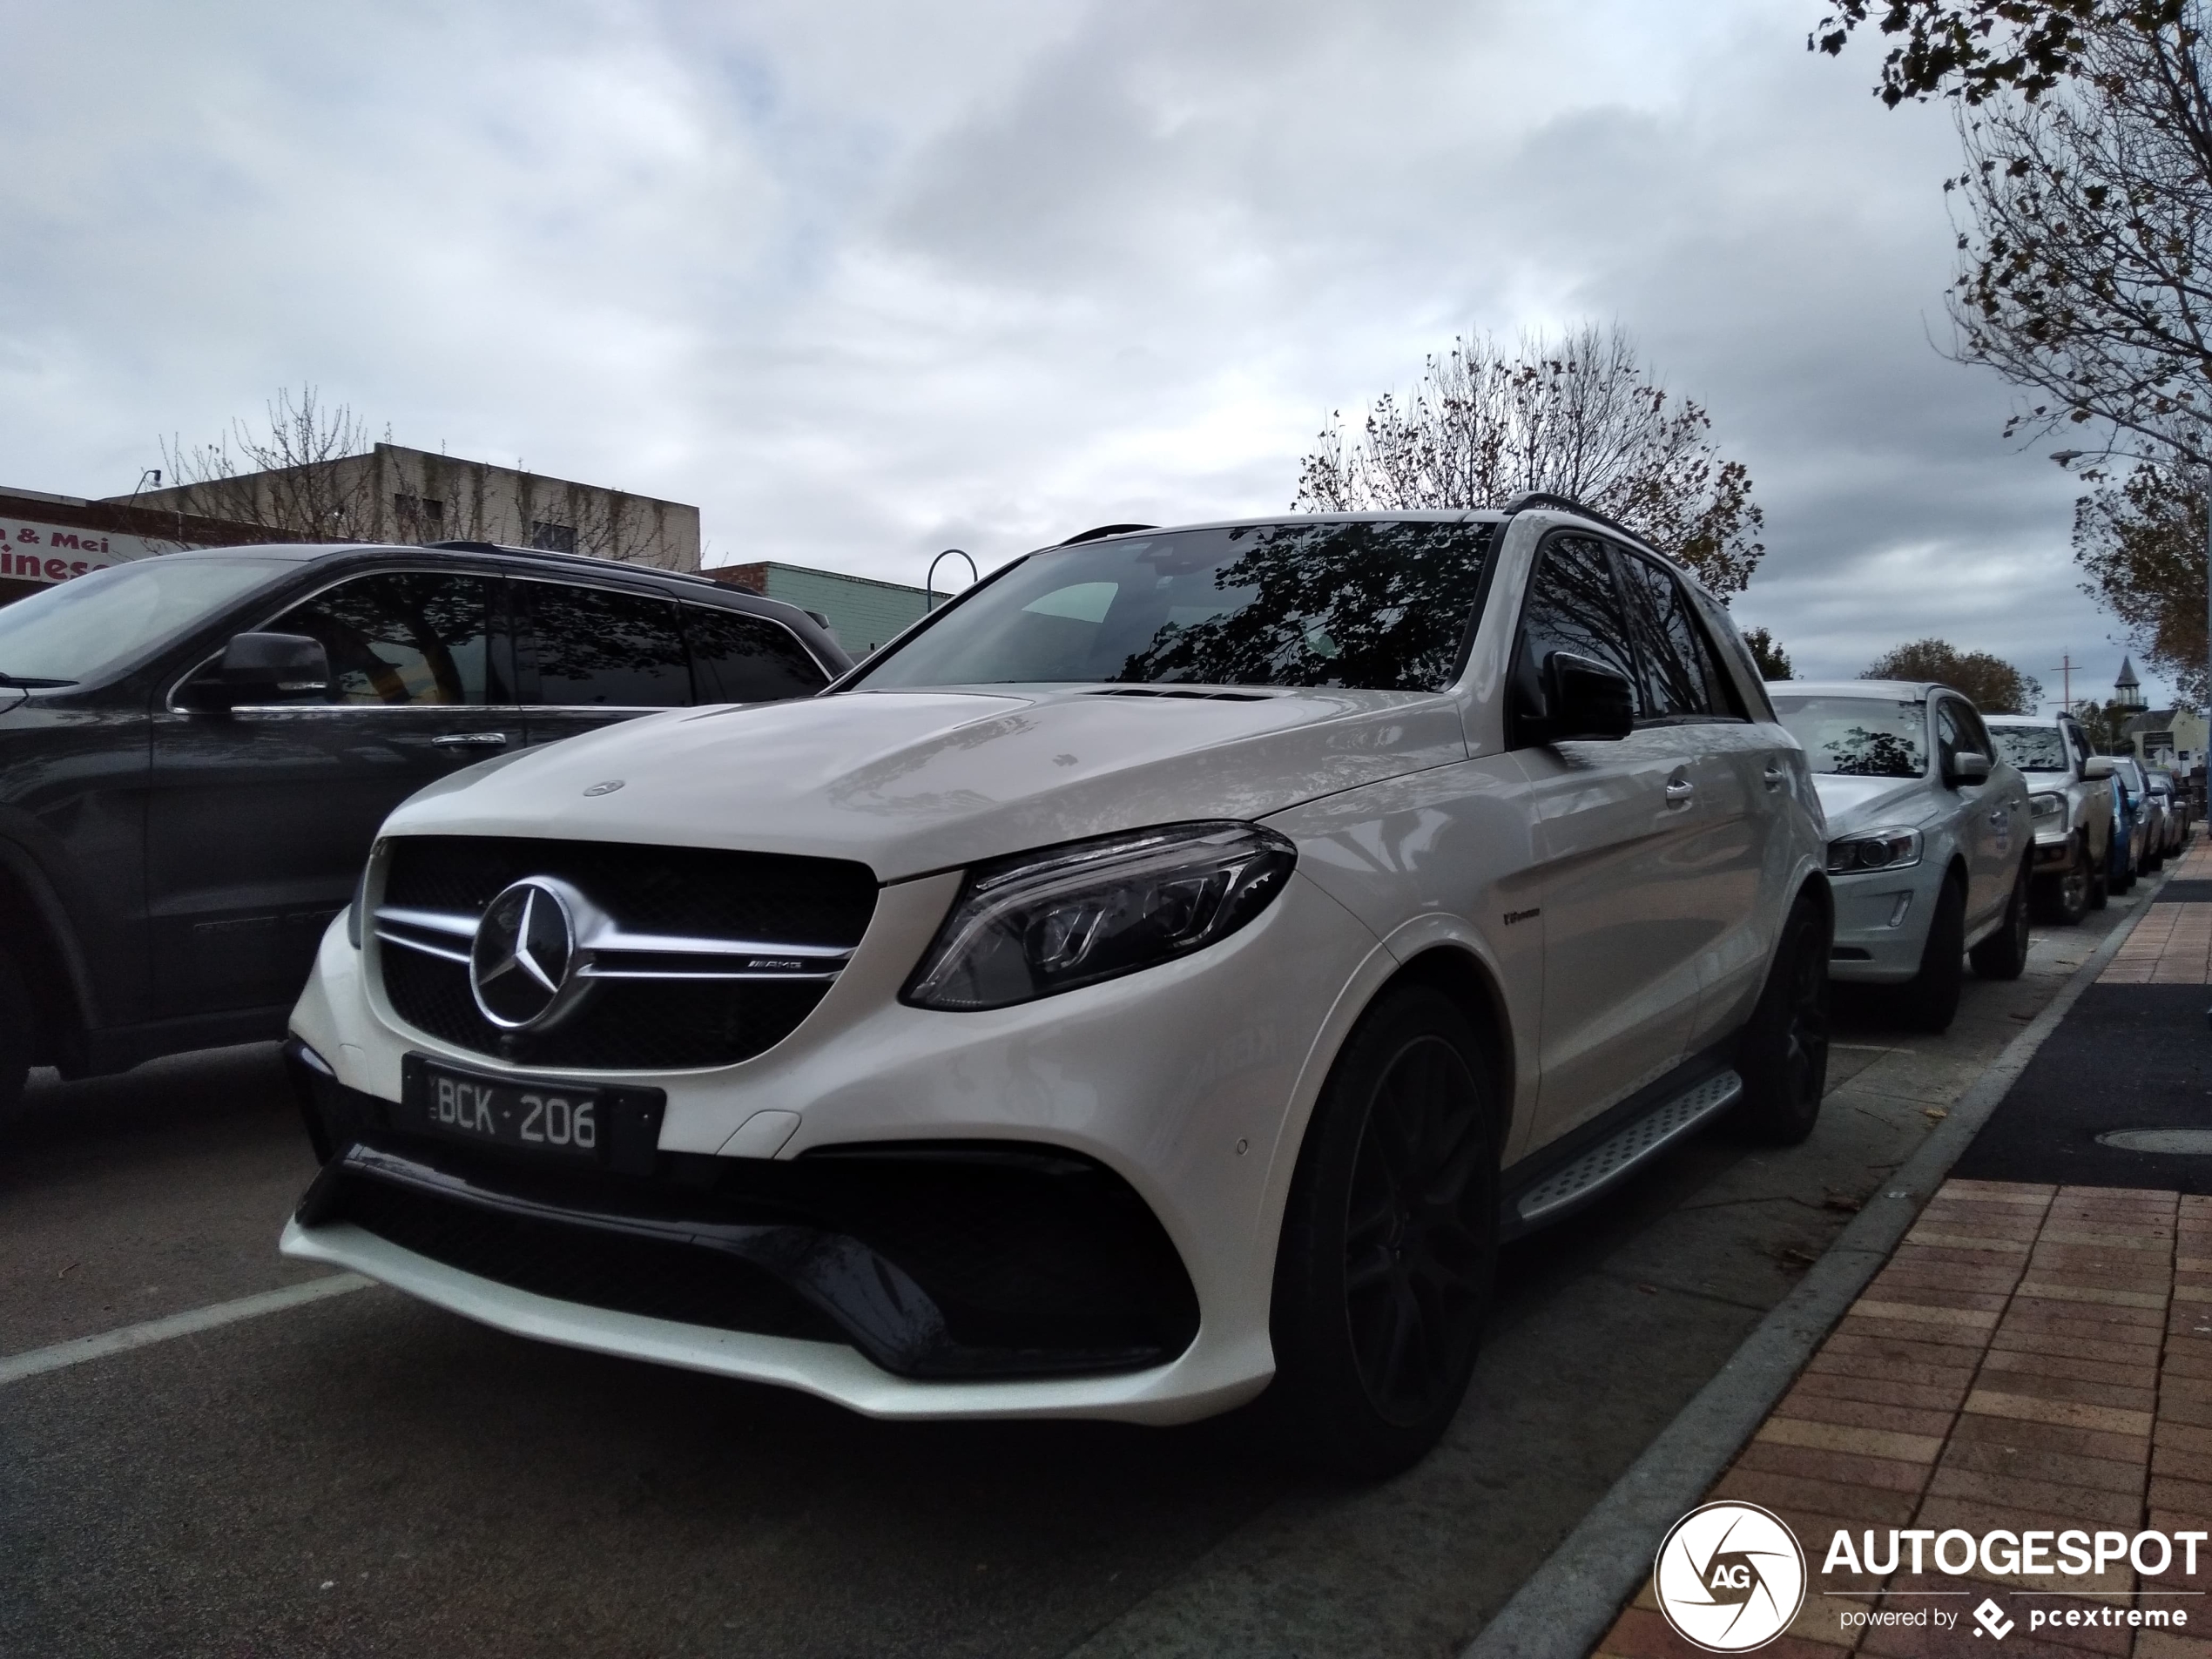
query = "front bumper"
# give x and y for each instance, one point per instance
(1185, 1087)
(1882, 920)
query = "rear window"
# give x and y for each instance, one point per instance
(1379, 605)
(1858, 737)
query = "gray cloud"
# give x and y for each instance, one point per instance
(870, 280)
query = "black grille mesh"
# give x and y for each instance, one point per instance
(660, 1280)
(644, 1025)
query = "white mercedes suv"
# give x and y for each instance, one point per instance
(1159, 978)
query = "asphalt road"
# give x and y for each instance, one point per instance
(364, 1474)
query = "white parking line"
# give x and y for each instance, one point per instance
(15, 1367)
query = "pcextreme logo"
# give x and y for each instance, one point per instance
(1730, 1577)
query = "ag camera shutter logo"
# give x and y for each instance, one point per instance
(1730, 1577)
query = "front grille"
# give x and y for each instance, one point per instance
(628, 1025)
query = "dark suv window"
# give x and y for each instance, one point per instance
(594, 647)
(737, 658)
(403, 638)
(1680, 678)
(1574, 606)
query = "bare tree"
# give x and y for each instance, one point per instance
(282, 478)
(1582, 418)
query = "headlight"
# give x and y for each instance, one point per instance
(1041, 922)
(1888, 849)
(2046, 809)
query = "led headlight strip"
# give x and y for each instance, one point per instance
(1051, 921)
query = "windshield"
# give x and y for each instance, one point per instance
(2031, 748)
(1381, 606)
(1858, 737)
(85, 628)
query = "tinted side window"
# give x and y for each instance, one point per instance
(403, 638)
(737, 658)
(597, 648)
(1573, 606)
(1951, 735)
(1680, 678)
(1972, 734)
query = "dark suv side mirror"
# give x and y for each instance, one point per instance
(1586, 700)
(265, 668)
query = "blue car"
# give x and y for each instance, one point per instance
(2130, 823)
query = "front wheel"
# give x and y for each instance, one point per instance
(1390, 1241)
(15, 1034)
(2065, 895)
(1929, 1001)
(1784, 1054)
(2004, 954)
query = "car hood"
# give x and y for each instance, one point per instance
(1871, 802)
(908, 782)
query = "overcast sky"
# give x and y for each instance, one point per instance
(868, 279)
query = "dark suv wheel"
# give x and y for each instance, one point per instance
(1383, 1277)
(15, 1034)
(2065, 895)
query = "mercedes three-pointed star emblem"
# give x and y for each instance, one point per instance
(522, 963)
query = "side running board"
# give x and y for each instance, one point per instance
(1612, 1158)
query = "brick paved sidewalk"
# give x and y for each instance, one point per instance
(2172, 942)
(2032, 1357)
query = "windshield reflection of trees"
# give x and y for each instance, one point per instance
(1378, 606)
(1860, 752)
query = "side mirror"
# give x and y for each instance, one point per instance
(266, 668)
(1967, 767)
(2098, 766)
(1586, 699)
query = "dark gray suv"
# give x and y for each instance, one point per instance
(197, 750)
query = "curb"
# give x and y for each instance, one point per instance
(1564, 1607)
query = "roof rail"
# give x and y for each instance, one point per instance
(582, 560)
(1103, 530)
(1528, 500)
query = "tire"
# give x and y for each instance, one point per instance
(15, 1035)
(1929, 1001)
(2066, 897)
(2004, 954)
(2100, 882)
(2125, 880)
(1783, 1053)
(1389, 1242)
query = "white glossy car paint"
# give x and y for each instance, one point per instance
(1617, 922)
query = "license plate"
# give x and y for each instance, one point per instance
(548, 1119)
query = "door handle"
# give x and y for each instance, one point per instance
(471, 740)
(1772, 777)
(1678, 792)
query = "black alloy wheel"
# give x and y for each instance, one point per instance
(1929, 1001)
(1783, 1052)
(1416, 1267)
(15, 1034)
(2004, 954)
(1383, 1279)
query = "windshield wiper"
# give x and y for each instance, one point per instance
(24, 682)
